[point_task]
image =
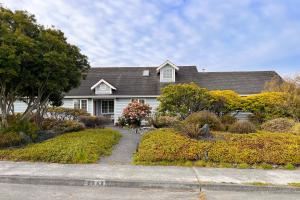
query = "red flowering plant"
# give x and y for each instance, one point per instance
(135, 112)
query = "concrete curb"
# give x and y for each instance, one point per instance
(247, 188)
(40, 180)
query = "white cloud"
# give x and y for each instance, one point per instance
(217, 35)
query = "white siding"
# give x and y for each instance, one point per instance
(68, 103)
(120, 104)
(19, 106)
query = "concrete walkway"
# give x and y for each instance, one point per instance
(124, 150)
(141, 176)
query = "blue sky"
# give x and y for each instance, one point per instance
(218, 35)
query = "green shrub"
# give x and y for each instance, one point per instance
(79, 147)
(265, 166)
(289, 166)
(278, 125)
(227, 121)
(21, 126)
(62, 125)
(243, 166)
(161, 121)
(242, 127)
(8, 139)
(193, 123)
(94, 121)
(254, 148)
(122, 122)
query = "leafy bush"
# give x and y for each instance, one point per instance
(267, 105)
(242, 127)
(163, 121)
(194, 122)
(94, 121)
(8, 139)
(121, 122)
(62, 125)
(21, 126)
(61, 113)
(278, 125)
(80, 147)
(183, 99)
(135, 112)
(296, 129)
(227, 121)
(224, 101)
(255, 148)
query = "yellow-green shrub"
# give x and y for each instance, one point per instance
(254, 148)
(242, 127)
(267, 105)
(194, 122)
(296, 129)
(278, 125)
(166, 144)
(8, 139)
(79, 147)
(224, 101)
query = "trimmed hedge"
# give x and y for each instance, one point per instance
(255, 148)
(79, 147)
(8, 139)
(242, 127)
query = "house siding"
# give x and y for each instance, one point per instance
(68, 103)
(19, 106)
(121, 103)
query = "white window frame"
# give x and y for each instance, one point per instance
(109, 113)
(168, 73)
(80, 103)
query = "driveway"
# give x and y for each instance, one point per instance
(123, 152)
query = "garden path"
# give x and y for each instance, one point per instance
(123, 152)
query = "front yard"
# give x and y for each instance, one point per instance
(77, 147)
(261, 149)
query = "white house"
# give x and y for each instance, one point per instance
(108, 90)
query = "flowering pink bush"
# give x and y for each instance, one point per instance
(135, 112)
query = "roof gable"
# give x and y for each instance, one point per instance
(167, 62)
(105, 82)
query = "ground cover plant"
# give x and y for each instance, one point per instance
(77, 147)
(261, 149)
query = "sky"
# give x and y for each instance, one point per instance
(215, 35)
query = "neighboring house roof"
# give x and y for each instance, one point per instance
(130, 80)
(247, 82)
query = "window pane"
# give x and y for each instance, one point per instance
(142, 101)
(104, 106)
(111, 106)
(167, 73)
(76, 103)
(84, 105)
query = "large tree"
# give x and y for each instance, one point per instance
(183, 99)
(37, 64)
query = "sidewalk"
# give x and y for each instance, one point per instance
(143, 176)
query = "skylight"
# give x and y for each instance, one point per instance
(146, 73)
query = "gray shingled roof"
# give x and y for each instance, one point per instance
(129, 80)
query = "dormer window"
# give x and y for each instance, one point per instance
(103, 87)
(167, 72)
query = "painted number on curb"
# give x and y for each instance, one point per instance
(94, 182)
